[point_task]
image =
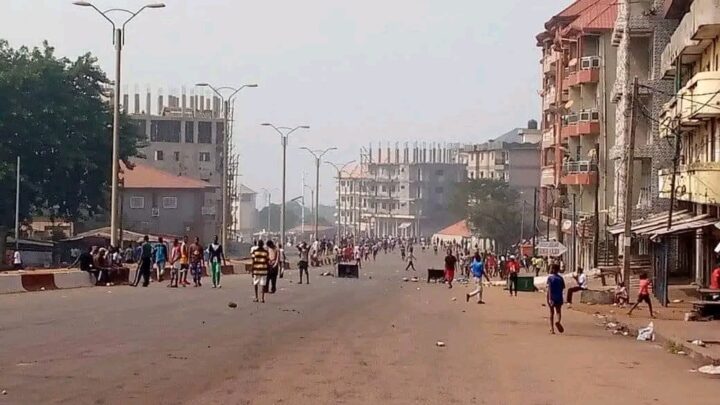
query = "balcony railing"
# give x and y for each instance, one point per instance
(582, 172)
(696, 101)
(701, 23)
(549, 62)
(548, 138)
(549, 98)
(547, 176)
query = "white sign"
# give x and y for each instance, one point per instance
(550, 248)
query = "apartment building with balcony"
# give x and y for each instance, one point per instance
(640, 35)
(513, 157)
(691, 59)
(400, 191)
(578, 125)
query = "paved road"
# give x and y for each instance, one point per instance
(334, 341)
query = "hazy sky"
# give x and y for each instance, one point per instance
(356, 71)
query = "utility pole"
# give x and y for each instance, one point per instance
(596, 214)
(574, 234)
(302, 202)
(522, 222)
(629, 163)
(17, 205)
(535, 208)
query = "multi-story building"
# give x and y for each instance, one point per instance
(640, 35)
(578, 125)
(513, 157)
(403, 192)
(185, 137)
(692, 117)
(244, 212)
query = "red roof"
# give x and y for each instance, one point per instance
(600, 16)
(144, 176)
(457, 229)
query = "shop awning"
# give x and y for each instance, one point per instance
(645, 226)
(688, 225)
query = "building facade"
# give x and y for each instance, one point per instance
(400, 191)
(245, 214)
(163, 203)
(690, 60)
(640, 35)
(513, 157)
(578, 124)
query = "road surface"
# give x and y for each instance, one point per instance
(335, 341)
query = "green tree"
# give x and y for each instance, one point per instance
(56, 115)
(492, 209)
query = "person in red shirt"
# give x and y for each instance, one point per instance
(513, 268)
(715, 278)
(491, 265)
(450, 266)
(643, 294)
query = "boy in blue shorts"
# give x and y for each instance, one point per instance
(555, 289)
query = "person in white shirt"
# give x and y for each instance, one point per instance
(581, 280)
(17, 260)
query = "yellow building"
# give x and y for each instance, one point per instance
(692, 60)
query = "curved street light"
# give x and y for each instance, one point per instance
(118, 41)
(317, 154)
(284, 133)
(226, 151)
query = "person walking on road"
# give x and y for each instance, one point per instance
(197, 262)
(273, 265)
(184, 262)
(450, 267)
(216, 256)
(260, 270)
(145, 263)
(304, 261)
(513, 268)
(555, 288)
(477, 268)
(174, 264)
(411, 264)
(643, 294)
(160, 256)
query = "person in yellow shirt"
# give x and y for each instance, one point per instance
(184, 262)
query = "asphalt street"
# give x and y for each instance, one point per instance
(335, 341)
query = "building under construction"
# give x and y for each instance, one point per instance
(400, 191)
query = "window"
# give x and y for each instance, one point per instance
(204, 132)
(177, 156)
(246, 197)
(169, 202)
(137, 203)
(204, 156)
(219, 132)
(439, 172)
(439, 190)
(189, 132)
(402, 187)
(165, 131)
(159, 155)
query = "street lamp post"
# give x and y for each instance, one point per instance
(118, 41)
(339, 170)
(226, 147)
(284, 133)
(317, 154)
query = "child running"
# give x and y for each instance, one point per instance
(477, 268)
(643, 294)
(555, 289)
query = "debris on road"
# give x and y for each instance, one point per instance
(677, 301)
(709, 369)
(647, 333)
(4, 392)
(414, 279)
(440, 344)
(454, 299)
(405, 279)
(231, 305)
(698, 342)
